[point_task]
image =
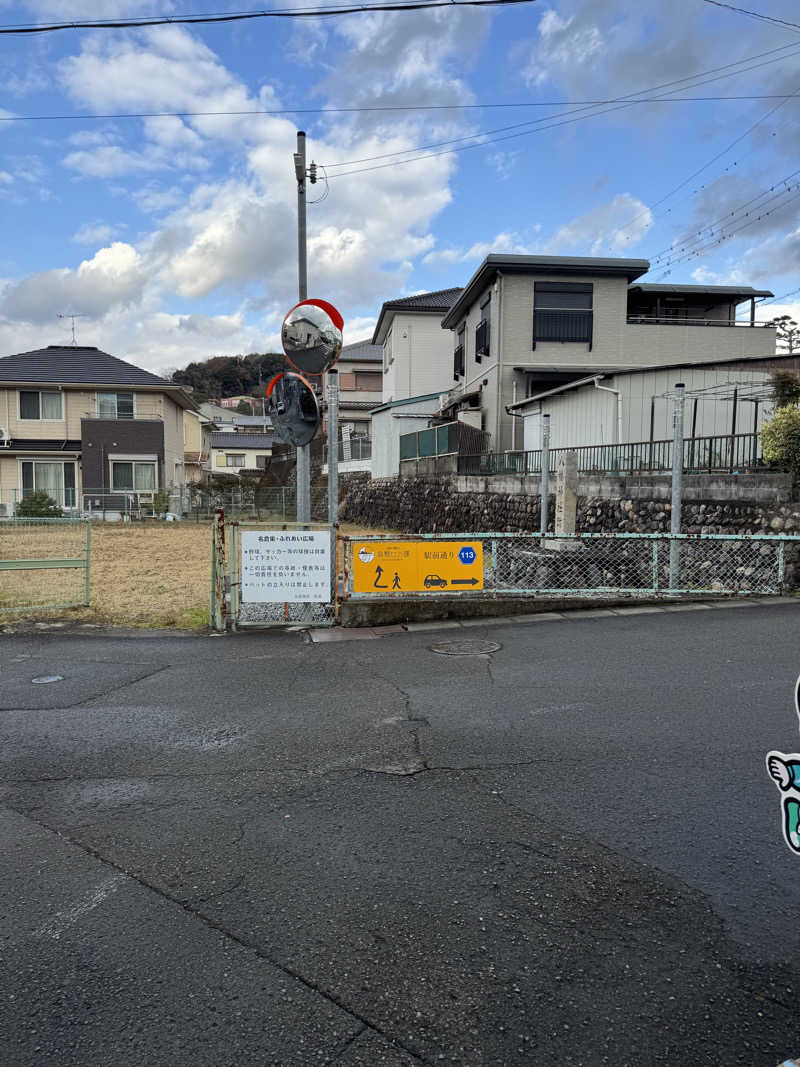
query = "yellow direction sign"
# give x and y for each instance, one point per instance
(417, 566)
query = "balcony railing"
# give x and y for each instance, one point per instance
(139, 416)
(672, 320)
(356, 448)
(701, 455)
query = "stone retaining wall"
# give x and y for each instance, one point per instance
(431, 505)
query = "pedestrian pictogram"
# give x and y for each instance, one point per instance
(417, 567)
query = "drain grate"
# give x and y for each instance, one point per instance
(465, 648)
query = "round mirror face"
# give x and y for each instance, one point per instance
(312, 336)
(293, 408)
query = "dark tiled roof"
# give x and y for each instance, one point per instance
(41, 444)
(65, 365)
(242, 440)
(362, 351)
(441, 300)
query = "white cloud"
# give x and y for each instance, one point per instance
(93, 233)
(510, 243)
(110, 161)
(113, 277)
(617, 225)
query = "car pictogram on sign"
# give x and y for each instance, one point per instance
(433, 581)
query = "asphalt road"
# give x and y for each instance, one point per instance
(255, 850)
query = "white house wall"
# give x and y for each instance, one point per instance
(422, 357)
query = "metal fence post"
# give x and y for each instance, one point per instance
(87, 580)
(333, 470)
(781, 566)
(218, 571)
(677, 487)
(545, 489)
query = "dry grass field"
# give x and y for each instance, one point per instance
(142, 574)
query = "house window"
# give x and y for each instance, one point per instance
(562, 311)
(55, 479)
(41, 405)
(387, 351)
(366, 381)
(234, 459)
(261, 462)
(458, 354)
(129, 476)
(115, 405)
(482, 330)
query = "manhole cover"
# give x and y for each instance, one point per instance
(465, 648)
(44, 679)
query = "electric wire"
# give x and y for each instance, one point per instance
(577, 116)
(619, 103)
(389, 108)
(281, 13)
(755, 14)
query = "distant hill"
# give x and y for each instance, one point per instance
(223, 376)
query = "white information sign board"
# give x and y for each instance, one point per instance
(280, 566)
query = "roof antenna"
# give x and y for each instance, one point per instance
(69, 315)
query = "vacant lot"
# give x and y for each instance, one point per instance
(142, 574)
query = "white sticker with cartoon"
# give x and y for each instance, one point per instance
(784, 769)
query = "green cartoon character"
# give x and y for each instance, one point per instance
(784, 769)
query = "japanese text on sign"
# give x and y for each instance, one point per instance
(284, 567)
(397, 567)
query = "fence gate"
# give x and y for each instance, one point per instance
(271, 574)
(44, 564)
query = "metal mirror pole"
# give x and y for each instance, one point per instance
(333, 470)
(677, 486)
(545, 490)
(303, 452)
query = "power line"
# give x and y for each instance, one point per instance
(284, 13)
(754, 14)
(779, 299)
(577, 115)
(712, 161)
(689, 239)
(81, 116)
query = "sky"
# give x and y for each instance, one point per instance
(174, 239)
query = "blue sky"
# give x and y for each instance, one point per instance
(175, 239)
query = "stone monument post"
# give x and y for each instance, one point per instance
(566, 502)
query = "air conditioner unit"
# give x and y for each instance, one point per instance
(5, 438)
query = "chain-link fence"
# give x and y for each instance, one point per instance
(44, 564)
(262, 504)
(604, 565)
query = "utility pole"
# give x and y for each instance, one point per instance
(677, 486)
(545, 490)
(303, 452)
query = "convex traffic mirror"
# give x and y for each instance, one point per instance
(312, 336)
(293, 408)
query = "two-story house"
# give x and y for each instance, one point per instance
(524, 325)
(91, 430)
(417, 356)
(360, 386)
